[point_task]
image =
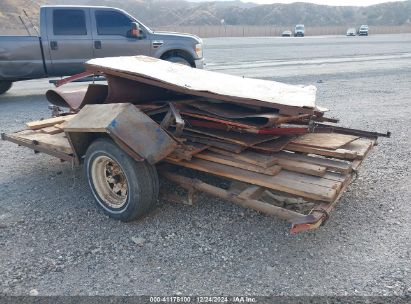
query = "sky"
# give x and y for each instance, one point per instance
(325, 2)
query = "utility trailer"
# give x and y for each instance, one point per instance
(282, 156)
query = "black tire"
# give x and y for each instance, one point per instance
(140, 177)
(156, 183)
(5, 85)
(179, 59)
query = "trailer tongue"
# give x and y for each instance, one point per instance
(282, 156)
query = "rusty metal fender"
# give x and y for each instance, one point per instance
(135, 132)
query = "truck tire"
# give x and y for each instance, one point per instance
(124, 188)
(5, 85)
(178, 59)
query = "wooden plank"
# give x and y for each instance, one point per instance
(309, 179)
(330, 164)
(56, 142)
(296, 166)
(61, 125)
(331, 141)
(362, 146)
(229, 161)
(37, 148)
(271, 146)
(258, 159)
(338, 153)
(51, 130)
(298, 188)
(39, 124)
(264, 160)
(336, 176)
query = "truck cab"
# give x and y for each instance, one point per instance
(363, 30)
(299, 30)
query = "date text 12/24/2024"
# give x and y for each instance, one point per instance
(202, 299)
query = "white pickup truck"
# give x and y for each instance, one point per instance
(71, 35)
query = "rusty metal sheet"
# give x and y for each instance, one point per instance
(75, 99)
(262, 119)
(289, 99)
(125, 90)
(127, 124)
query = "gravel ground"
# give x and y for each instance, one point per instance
(55, 241)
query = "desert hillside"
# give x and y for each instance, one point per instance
(182, 13)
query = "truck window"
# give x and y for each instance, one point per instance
(112, 23)
(69, 22)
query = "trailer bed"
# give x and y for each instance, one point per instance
(283, 156)
(300, 184)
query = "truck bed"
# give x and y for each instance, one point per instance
(21, 57)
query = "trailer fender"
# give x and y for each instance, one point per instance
(135, 132)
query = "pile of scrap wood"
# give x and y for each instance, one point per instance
(270, 138)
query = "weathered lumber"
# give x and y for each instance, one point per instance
(51, 130)
(265, 161)
(362, 146)
(309, 179)
(56, 142)
(338, 153)
(39, 124)
(226, 160)
(296, 166)
(251, 157)
(331, 164)
(294, 187)
(331, 141)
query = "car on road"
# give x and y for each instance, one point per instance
(299, 30)
(363, 30)
(351, 31)
(71, 35)
(287, 33)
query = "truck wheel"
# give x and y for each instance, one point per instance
(123, 188)
(5, 86)
(178, 59)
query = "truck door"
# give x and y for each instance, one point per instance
(111, 34)
(69, 39)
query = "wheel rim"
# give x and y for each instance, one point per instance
(109, 182)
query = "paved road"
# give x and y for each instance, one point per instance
(54, 239)
(277, 57)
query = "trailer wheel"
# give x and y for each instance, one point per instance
(123, 188)
(5, 85)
